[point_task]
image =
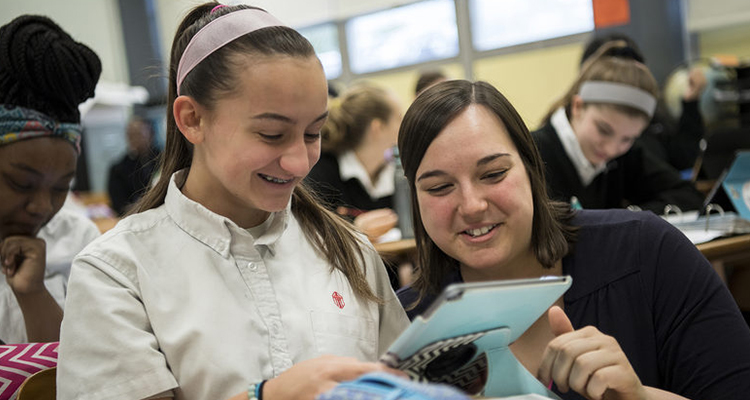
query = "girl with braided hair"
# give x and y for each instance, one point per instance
(44, 75)
(229, 280)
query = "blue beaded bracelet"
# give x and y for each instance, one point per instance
(255, 391)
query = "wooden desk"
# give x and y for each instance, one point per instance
(401, 247)
(726, 247)
(731, 248)
(732, 252)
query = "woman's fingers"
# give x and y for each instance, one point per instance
(566, 363)
(592, 372)
(590, 363)
(561, 355)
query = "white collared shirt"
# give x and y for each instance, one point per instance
(181, 298)
(350, 167)
(64, 235)
(586, 171)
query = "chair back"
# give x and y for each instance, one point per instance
(40, 386)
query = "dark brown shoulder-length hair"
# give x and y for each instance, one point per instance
(552, 234)
(217, 76)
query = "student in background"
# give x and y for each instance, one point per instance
(646, 316)
(229, 280)
(676, 142)
(588, 142)
(44, 75)
(354, 175)
(131, 176)
(427, 79)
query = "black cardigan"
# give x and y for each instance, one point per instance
(635, 178)
(325, 180)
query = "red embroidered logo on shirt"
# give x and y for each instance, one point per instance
(338, 300)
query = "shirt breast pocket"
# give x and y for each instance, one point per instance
(345, 335)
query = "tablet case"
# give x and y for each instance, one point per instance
(463, 338)
(737, 183)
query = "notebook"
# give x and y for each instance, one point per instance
(735, 181)
(463, 338)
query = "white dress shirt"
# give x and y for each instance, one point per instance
(181, 298)
(586, 171)
(350, 167)
(64, 235)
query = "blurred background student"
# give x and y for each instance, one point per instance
(131, 176)
(354, 175)
(428, 78)
(676, 142)
(44, 75)
(589, 142)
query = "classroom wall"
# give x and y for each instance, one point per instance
(723, 26)
(534, 79)
(95, 23)
(531, 78)
(712, 14)
(403, 83)
(732, 40)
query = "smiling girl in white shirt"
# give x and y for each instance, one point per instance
(229, 273)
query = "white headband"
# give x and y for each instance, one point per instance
(618, 93)
(218, 33)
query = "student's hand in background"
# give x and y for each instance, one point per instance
(308, 379)
(23, 261)
(588, 362)
(376, 223)
(696, 84)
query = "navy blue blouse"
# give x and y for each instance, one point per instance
(640, 280)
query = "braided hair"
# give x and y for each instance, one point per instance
(43, 68)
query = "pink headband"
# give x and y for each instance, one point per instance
(218, 33)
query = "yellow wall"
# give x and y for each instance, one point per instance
(532, 80)
(733, 41)
(403, 83)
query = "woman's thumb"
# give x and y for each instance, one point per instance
(558, 321)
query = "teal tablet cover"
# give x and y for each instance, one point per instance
(737, 183)
(463, 338)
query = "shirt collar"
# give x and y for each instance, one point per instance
(586, 171)
(351, 168)
(213, 229)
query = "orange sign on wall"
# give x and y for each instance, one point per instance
(611, 13)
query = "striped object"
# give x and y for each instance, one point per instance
(19, 361)
(460, 365)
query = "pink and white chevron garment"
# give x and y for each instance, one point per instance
(20, 361)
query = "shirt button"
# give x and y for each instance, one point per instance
(252, 266)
